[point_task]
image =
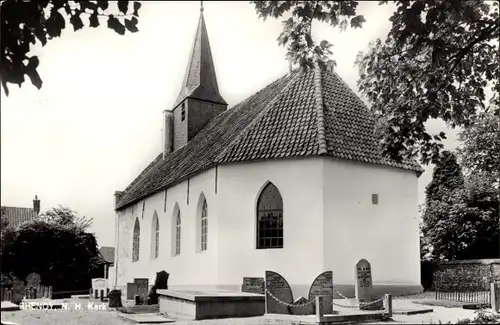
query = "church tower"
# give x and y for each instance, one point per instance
(199, 99)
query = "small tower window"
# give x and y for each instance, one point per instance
(183, 112)
(375, 199)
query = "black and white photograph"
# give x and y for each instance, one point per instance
(250, 162)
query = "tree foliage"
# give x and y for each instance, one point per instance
(66, 217)
(64, 255)
(480, 145)
(27, 22)
(460, 219)
(296, 35)
(435, 62)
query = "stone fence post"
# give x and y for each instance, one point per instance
(388, 304)
(319, 309)
(495, 296)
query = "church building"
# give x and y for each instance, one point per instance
(291, 180)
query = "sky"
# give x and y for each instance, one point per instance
(96, 122)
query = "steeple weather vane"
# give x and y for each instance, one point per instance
(201, 5)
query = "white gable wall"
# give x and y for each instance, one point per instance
(387, 234)
(299, 182)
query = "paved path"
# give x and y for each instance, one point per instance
(107, 317)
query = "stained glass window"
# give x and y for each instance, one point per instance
(270, 218)
(135, 241)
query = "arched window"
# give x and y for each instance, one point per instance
(270, 218)
(155, 236)
(204, 226)
(135, 241)
(178, 234)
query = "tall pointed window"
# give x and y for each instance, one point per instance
(135, 241)
(270, 218)
(157, 237)
(178, 234)
(204, 226)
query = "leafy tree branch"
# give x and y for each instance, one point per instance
(27, 22)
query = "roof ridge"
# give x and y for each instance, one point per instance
(318, 94)
(292, 81)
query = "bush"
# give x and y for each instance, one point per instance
(64, 256)
(482, 317)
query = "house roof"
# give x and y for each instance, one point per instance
(302, 114)
(16, 215)
(200, 80)
(108, 254)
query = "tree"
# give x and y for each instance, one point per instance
(480, 145)
(66, 217)
(26, 22)
(460, 219)
(435, 63)
(446, 177)
(296, 35)
(64, 255)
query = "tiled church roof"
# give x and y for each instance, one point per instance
(305, 113)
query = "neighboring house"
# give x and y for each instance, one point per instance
(16, 215)
(290, 180)
(108, 257)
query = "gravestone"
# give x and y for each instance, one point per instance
(363, 289)
(152, 296)
(253, 285)
(99, 285)
(131, 290)
(323, 286)
(161, 281)
(142, 288)
(33, 280)
(277, 288)
(18, 291)
(115, 299)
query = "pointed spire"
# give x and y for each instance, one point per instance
(200, 80)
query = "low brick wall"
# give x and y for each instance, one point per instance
(464, 272)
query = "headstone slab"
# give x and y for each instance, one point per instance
(33, 280)
(323, 286)
(99, 284)
(280, 289)
(301, 307)
(253, 285)
(131, 290)
(18, 291)
(115, 299)
(142, 287)
(161, 281)
(363, 281)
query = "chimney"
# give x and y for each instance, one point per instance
(118, 196)
(167, 140)
(36, 205)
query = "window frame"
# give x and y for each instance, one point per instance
(269, 221)
(204, 227)
(136, 239)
